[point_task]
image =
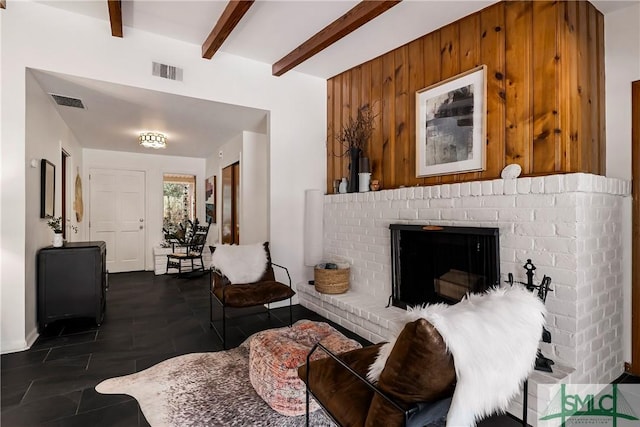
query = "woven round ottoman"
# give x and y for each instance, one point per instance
(276, 354)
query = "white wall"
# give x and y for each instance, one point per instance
(37, 36)
(227, 154)
(46, 135)
(254, 189)
(230, 153)
(251, 150)
(622, 66)
(154, 166)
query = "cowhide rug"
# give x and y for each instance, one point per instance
(202, 389)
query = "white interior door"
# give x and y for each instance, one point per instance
(117, 207)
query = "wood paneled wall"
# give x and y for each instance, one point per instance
(545, 92)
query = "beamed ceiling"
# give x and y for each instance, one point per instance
(321, 38)
(318, 37)
(355, 17)
(234, 11)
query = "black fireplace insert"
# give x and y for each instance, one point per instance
(432, 264)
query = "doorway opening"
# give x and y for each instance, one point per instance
(230, 209)
(63, 161)
(179, 206)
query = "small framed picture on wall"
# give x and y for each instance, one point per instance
(47, 188)
(210, 199)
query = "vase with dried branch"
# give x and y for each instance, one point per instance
(353, 137)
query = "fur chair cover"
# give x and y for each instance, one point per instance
(493, 338)
(240, 263)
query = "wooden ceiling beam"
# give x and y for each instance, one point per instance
(230, 17)
(115, 16)
(356, 17)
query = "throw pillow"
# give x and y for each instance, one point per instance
(504, 326)
(418, 369)
(240, 263)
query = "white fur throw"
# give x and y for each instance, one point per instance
(493, 338)
(240, 263)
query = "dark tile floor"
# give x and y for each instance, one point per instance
(148, 319)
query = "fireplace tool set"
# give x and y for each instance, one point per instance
(542, 363)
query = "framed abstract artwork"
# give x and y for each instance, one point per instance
(210, 199)
(450, 125)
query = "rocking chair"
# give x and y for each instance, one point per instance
(190, 251)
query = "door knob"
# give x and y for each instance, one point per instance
(141, 227)
(141, 219)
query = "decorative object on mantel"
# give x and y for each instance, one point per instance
(364, 176)
(542, 363)
(451, 125)
(332, 277)
(354, 156)
(511, 171)
(336, 186)
(354, 136)
(364, 165)
(363, 181)
(375, 185)
(55, 223)
(344, 185)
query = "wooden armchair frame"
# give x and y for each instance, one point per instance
(190, 251)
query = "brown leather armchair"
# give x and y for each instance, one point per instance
(339, 382)
(264, 291)
(491, 337)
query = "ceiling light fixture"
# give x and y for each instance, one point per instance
(153, 140)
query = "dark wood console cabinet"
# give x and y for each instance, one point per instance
(72, 282)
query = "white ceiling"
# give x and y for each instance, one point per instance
(269, 31)
(115, 115)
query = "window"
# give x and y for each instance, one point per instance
(179, 194)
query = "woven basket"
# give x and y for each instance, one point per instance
(331, 281)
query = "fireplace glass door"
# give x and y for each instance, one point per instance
(432, 264)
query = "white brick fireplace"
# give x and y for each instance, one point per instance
(568, 225)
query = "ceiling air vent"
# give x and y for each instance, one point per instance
(167, 71)
(67, 101)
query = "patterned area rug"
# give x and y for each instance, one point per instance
(202, 389)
